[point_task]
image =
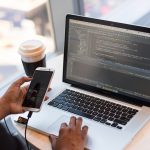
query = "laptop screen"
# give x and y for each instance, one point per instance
(107, 56)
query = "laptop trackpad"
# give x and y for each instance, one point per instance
(54, 127)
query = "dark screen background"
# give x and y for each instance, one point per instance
(37, 89)
(109, 58)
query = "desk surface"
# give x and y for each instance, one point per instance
(140, 142)
(42, 142)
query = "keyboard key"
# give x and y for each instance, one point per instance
(135, 111)
(111, 115)
(111, 119)
(64, 108)
(105, 117)
(124, 119)
(120, 121)
(55, 104)
(59, 106)
(129, 116)
(89, 112)
(107, 123)
(132, 112)
(100, 115)
(97, 119)
(113, 111)
(102, 120)
(94, 113)
(119, 127)
(114, 124)
(51, 103)
(124, 114)
(69, 104)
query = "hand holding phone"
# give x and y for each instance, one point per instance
(38, 89)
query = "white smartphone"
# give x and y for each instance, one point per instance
(38, 89)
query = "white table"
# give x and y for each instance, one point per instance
(140, 142)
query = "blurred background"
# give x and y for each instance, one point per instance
(31, 19)
(21, 20)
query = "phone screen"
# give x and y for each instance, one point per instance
(37, 89)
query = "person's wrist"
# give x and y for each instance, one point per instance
(4, 108)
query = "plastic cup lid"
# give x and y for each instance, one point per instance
(31, 48)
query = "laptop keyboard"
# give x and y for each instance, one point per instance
(97, 109)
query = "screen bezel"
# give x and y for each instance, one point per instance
(35, 109)
(119, 96)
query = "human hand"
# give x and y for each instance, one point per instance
(11, 101)
(72, 136)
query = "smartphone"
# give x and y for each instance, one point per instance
(38, 89)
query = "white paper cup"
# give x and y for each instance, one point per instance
(32, 55)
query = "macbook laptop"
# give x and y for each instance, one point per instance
(106, 72)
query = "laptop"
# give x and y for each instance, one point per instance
(106, 80)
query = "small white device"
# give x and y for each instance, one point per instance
(37, 89)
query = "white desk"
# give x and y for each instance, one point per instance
(140, 142)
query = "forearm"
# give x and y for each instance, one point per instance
(3, 109)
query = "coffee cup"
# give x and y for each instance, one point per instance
(32, 55)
